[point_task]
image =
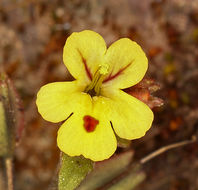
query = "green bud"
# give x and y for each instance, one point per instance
(10, 117)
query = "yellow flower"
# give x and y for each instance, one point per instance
(95, 105)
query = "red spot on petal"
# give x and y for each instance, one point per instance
(90, 123)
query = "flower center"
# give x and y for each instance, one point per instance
(90, 123)
(94, 87)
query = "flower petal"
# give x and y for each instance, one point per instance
(74, 140)
(128, 64)
(130, 117)
(83, 53)
(56, 101)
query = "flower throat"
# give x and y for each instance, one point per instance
(94, 87)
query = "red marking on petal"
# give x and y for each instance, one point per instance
(85, 64)
(111, 77)
(90, 123)
(87, 69)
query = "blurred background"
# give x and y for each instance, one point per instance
(32, 36)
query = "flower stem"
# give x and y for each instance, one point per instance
(9, 173)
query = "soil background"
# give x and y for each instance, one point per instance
(32, 36)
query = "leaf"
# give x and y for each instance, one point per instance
(73, 170)
(129, 182)
(106, 171)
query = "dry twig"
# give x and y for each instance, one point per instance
(166, 148)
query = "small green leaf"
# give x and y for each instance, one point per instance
(129, 182)
(106, 171)
(124, 143)
(3, 132)
(73, 170)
